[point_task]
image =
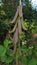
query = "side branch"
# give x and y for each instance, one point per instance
(24, 28)
(13, 30)
(15, 17)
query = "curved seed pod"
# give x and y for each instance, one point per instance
(13, 30)
(24, 28)
(15, 17)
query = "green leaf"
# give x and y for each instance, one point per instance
(23, 42)
(9, 59)
(6, 43)
(3, 58)
(29, 51)
(26, 24)
(9, 52)
(33, 62)
(6, 21)
(24, 49)
(22, 36)
(35, 52)
(24, 60)
(2, 50)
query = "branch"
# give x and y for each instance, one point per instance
(13, 29)
(15, 17)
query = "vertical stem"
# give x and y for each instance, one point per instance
(17, 56)
(19, 48)
(15, 39)
(19, 2)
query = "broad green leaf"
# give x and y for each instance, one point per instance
(29, 51)
(6, 59)
(33, 62)
(24, 60)
(9, 59)
(9, 52)
(3, 58)
(22, 36)
(6, 43)
(26, 24)
(2, 50)
(23, 48)
(35, 52)
(6, 21)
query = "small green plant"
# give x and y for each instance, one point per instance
(29, 56)
(6, 53)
